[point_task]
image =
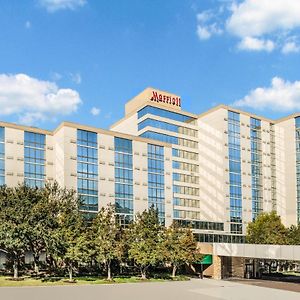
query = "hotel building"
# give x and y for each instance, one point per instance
(214, 172)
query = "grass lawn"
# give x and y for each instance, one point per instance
(52, 281)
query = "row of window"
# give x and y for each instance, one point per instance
(170, 139)
(167, 126)
(186, 202)
(165, 114)
(186, 214)
(203, 225)
(185, 190)
(220, 238)
(185, 178)
(185, 154)
(185, 166)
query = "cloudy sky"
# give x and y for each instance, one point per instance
(81, 60)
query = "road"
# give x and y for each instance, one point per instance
(206, 289)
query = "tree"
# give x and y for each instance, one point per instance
(145, 241)
(179, 247)
(294, 235)
(15, 205)
(106, 238)
(44, 217)
(267, 228)
(67, 241)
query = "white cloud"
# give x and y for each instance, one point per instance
(27, 24)
(207, 25)
(257, 18)
(260, 25)
(290, 47)
(254, 44)
(55, 5)
(76, 77)
(280, 96)
(205, 32)
(55, 76)
(204, 16)
(95, 111)
(35, 100)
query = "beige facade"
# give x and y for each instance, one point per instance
(196, 174)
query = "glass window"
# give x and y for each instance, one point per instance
(87, 169)
(34, 159)
(164, 113)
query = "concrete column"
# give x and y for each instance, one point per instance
(217, 267)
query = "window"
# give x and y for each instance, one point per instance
(87, 169)
(184, 154)
(165, 114)
(34, 159)
(123, 181)
(167, 126)
(297, 126)
(235, 184)
(203, 225)
(256, 167)
(169, 139)
(156, 180)
(2, 155)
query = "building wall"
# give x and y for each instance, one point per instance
(212, 191)
(286, 171)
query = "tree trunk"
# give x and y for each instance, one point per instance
(143, 273)
(36, 260)
(16, 271)
(70, 273)
(108, 270)
(174, 271)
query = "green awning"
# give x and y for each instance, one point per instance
(206, 260)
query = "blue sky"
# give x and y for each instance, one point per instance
(81, 60)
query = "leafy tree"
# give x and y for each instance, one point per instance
(15, 205)
(67, 240)
(179, 247)
(145, 241)
(267, 228)
(106, 238)
(294, 235)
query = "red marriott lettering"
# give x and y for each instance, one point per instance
(165, 99)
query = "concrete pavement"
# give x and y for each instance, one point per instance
(206, 289)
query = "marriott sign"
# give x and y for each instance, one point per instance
(158, 97)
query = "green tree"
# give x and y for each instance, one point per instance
(294, 235)
(267, 228)
(145, 241)
(67, 240)
(15, 206)
(179, 247)
(106, 238)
